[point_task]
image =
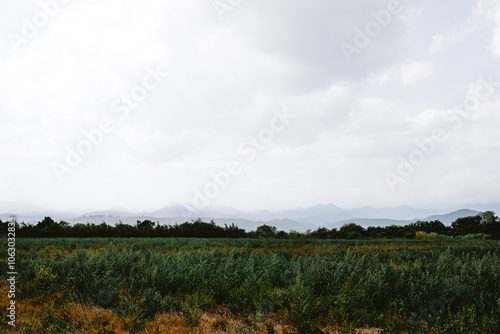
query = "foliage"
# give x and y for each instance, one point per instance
(484, 223)
(449, 284)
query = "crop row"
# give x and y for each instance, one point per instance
(399, 286)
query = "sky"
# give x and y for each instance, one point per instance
(250, 104)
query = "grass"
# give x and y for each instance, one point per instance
(255, 286)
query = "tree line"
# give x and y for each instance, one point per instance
(484, 225)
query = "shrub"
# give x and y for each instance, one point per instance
(478, 236)
(354, 235)
(420, 234)
(432, 235)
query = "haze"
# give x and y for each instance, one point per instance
(252, 104)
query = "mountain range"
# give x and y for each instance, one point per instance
(299, 219)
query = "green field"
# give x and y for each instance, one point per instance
(165, 285)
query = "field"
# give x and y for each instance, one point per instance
(167, 285)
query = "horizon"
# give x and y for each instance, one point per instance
(302, 220)
(188, 207)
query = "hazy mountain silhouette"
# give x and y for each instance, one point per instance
(300, 219)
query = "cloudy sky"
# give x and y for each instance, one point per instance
(252, 104)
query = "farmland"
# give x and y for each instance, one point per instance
(170, 285)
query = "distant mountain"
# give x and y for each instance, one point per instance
(299, 219)
(484, 207)
(321, 212)
(223, 209)
(449, 218)
(35, 218)
(312, 211)
(246, 224)
(287, 225)
(22, 218)
(326, 218)
(105, 213)
(82, 211)
(189, 212)
(19, 208)
(398, 212)
(170, 211)
(367, 222)
(30, 213)
(446, 219)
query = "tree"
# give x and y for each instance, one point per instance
(352, 227)
(432, 226)
(145, 225)
(394, 231)
(125, 230)
(375, 232)
(488, 217)
(491, 224)
(354, 235)
(320, 233)
(47, 222)
(233, 231)
(266, 230)
(467, 225)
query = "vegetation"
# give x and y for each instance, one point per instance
(485, 223)
(267, 285)
(202, 278)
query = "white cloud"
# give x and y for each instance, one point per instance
(489, 10)
(482, 13)
(443, 42)
(382, 77)
(412, 73)
(352, 119)
(485, 9)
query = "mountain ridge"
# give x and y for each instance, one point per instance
(300, 219)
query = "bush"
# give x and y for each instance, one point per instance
(432, 235)
(354, 235)
(420, 234)
(478, 236)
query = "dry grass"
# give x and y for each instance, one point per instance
(97, 320)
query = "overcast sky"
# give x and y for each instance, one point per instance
(252, 104)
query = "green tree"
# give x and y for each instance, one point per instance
(488, 217)
(47, 222)
(352, 227)
(491, 224)
(467, 225)
(145, 225)
(267, 231)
